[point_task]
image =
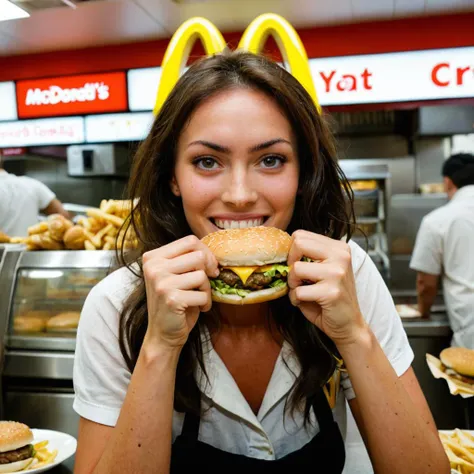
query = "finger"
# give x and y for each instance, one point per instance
(323, 239)
(190, 262)
(183, 299)
(196, 280)
(313, 272)
(316, 293)
(181, 247)
(304, 247)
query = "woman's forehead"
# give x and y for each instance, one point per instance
(243, 114)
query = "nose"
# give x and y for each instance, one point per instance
(240, 191)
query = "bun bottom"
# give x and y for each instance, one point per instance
(15, 466)
(254, 297)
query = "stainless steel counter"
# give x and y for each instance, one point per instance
(436, 326)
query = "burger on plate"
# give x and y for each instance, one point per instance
(252, 263)
(16, 450)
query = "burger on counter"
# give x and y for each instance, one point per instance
(460, 364)
(16, 448)
(252, 264)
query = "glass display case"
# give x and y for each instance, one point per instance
(47, 302)
(42, 294)
(46, 294)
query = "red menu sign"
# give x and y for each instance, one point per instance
(72, 95)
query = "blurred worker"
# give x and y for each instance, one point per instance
(445, 246)
(21, 200)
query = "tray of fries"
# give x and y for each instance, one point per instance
(51, 448)
(459, 447)
(103, 228)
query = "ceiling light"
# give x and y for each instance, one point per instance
(10, 11)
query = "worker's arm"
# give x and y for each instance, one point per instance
(427, 289)
(427, 261)
(56, 207)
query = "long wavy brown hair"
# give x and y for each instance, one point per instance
(324, 205)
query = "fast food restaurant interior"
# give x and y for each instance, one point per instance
(81, 83)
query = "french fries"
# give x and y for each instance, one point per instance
(459, 447)
(101, 229)
(42, 456)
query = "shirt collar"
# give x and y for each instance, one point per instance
(3, 173)
(221, 388)
(466, 192)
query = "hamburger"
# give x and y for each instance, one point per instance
(252, 264)
(460, 363)
(16, 450)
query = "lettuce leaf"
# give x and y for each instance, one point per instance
(276, 283)
(281, 269)
(225, 289)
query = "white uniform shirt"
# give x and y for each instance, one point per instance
(445, 245)
(21, 199)
(101, 377)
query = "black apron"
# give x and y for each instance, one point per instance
(324, 454)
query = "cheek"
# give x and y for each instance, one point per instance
(282, 190)
(197, 192)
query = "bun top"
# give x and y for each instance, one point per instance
(68, 320)
(459, 359)
(14, 435)
(253, 246)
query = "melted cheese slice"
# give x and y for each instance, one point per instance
(245, 272)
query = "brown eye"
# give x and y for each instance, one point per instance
(206, 163)
(272, 161)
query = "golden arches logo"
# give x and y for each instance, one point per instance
(253, 40)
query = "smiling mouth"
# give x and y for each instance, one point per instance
(240, 224)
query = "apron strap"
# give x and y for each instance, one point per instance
(191, 426)
(322, 410)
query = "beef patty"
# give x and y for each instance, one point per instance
(256, 281)
(17, 454)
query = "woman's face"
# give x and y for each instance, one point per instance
(237, 164)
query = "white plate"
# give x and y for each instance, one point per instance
(64, 443)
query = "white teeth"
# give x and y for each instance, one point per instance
(228, 224)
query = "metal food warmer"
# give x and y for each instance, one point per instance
(371, 185)
(42, 296)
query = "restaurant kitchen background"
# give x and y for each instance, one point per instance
(397, 117)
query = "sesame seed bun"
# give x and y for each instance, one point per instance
(254, 246)
(14, 435)
(460, 359)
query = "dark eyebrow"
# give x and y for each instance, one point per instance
(224, 149)
(268, 144)
(213, 146)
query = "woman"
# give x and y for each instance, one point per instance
(163, 382)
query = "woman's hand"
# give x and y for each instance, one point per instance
(177, 289)
(324, 289)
